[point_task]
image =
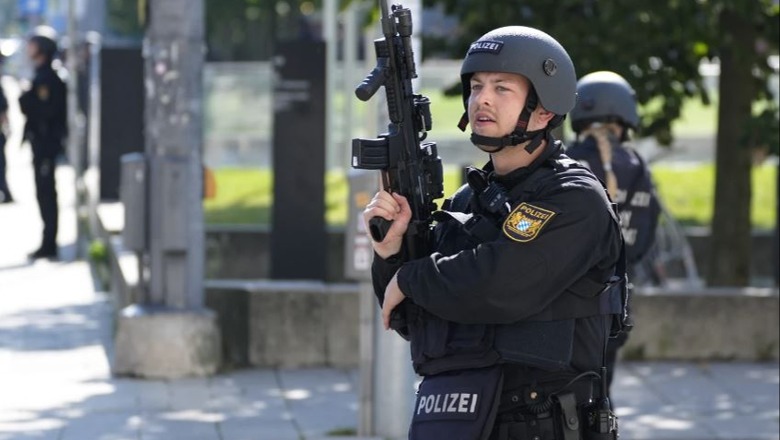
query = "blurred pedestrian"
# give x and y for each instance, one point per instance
(44, 106)
(603, 119)
(5, 193)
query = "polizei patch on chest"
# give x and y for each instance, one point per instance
(487, 46)
(447, 405)
(525, 221)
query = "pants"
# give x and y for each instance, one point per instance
(5, 193)
(46, 192)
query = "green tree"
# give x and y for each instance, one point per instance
(122, 18)
(658, 46)
(245, 30)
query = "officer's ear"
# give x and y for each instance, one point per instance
(543, 115)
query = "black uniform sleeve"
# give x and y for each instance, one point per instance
(26, 102)
(382, 271)
(45, 103)
(54, 108)
(505, 281)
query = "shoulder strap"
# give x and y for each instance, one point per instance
(459, 202)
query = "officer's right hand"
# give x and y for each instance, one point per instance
(392, 207)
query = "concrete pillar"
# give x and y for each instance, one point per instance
(171, 334)
(92, 173)
(74, 129)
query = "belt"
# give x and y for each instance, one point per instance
(531, 396)
(542, 411)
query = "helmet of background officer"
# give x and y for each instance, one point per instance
(546, 74)
(605, 97)
(42, 46)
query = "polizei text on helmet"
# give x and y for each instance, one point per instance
(488, 46)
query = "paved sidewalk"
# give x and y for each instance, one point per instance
(55, 381)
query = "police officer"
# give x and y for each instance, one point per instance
(5, 193)
(508, 317)
(603, 119)
(44, 106)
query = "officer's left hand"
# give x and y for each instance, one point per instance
(393, 297)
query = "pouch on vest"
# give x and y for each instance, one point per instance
(547, 345)
(460, 405)
(616, 298)
(616, 301)
(438, 345)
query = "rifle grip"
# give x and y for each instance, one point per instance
(372, 83)
(378, 228)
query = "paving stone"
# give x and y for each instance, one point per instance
(113, 395)
(250, 378)
(354, 377)
(103, 426)
(338, 437)
(258, 429)
(182, 425)
(259, 395)
(656, 426)
(189, 393)
(687, 390)
(750, 383)
(631, 395)
(154, 396)
(321, 400)
(739, 426)
(35, 435)
(25, 425)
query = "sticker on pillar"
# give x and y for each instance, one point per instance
(361, 259)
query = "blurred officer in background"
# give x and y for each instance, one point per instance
(603, 119)
(44, 106)
(5, 193)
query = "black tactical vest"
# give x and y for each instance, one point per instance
(543, 341)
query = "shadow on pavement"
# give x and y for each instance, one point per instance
(58, 328)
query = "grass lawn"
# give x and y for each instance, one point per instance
(688, 193)
(244, 196)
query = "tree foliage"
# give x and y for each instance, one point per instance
(245, 30)
(656, 44)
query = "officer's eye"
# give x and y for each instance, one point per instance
(476, 87)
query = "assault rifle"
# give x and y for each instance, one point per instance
(408, 165)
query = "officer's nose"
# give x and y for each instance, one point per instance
(485, 98)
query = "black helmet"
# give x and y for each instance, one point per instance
(604, 97)
(538, 57)
(45, 38)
